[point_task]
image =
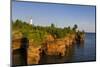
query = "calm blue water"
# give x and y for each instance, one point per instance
(87, 51)
(76, 53)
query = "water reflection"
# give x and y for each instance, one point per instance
(24, 50)
(20, 55)
(45, 59)
(75, 53)
(80, 45)
(19, 58)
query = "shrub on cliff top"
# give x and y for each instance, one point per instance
(37, 33)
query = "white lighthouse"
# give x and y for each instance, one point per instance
(30, 21)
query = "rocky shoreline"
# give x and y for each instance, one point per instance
(50, 46)
(43, 40)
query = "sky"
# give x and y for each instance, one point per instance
(62, 15)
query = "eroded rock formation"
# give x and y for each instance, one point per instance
(50, 46)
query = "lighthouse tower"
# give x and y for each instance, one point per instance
(30, 21)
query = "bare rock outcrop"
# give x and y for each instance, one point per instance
(33, 55)
(56, 47)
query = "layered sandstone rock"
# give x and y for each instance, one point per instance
(58, 46)
(16, 35)
(49, 38)
(16, 39)
(50, 46)
(16, 44)
(55, 48)
(33, 55)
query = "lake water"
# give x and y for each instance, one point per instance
(76, 53)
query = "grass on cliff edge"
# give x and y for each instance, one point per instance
(37, 33)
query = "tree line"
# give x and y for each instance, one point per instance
(37, 33)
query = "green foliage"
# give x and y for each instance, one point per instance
(75, 27)
(37, 33)
(52, 25)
